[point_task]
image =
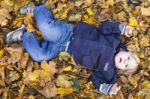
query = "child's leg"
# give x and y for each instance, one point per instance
(37, 51)
(52, 30)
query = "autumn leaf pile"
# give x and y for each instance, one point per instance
(20, 77)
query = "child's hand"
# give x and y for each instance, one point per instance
(128, 31)
(114, 90)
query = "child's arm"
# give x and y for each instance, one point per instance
(101, 84)
(109, 89)
(108, 28)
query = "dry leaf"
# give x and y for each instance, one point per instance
(13, 76)
(133, 21)
(64, 56)
(24, 60)
(145, 11)
(68, 68)
(48, 91)
(89, 20)
(145, 41)
(48, 70)
(4, 16)
(15, 54)
(75, 18)
(63, 81)
(90, 11)
(65, 91)
(31, 77)
(2, 52)
(18, 22)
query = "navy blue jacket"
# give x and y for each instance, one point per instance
(95, 48)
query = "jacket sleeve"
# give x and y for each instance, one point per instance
(108, 28)
(100, 83)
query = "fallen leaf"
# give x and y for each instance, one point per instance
(76, 84)
(107, 3)
(48, 91)
(18, 22)
(13, 76)
(8, 4)
(78, 3)
(64, 56)
(4, 16)
(90, 11)
(89, 20)
(63, 81)
(68, 68)
(65, 91)
(75, 18)
(89, 85)
(133, 21)
(48, 70)
(2, 52)
(31, 77)
(145, 84)
(145, 11)
(15, 54)
(24, 60)
(144, 41)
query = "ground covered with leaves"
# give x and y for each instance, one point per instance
(20, 77)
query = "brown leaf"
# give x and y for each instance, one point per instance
(24, 60)
(48, 91)
(15, 54)
(4, 16)
(63, 81)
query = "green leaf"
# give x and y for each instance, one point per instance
(77, 86)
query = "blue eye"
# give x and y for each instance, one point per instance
(126, 65)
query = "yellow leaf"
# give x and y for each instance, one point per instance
(48, 91)
(48, 70)
(33, 76)
(18, 22)
(68, 68)
(145, 84)
(145, 11)
(24, 60)
(65, 91)
(2, 52)
(65, 13)
(75, 18)
(107, 3)
(15, 54)
(89, 85)
(89, 11)
(63, 81)
(64, 56)
(4, 16)
(72, 61)
(21, 91)
(89, 20)
(8, 4)
(31, 97)
(133, 21)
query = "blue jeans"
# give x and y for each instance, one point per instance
(55, 33)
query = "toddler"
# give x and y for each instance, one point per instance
(97, 48)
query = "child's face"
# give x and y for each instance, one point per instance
(126, 60)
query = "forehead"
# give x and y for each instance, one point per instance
(124, 54)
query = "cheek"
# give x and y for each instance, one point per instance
(120, 65)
